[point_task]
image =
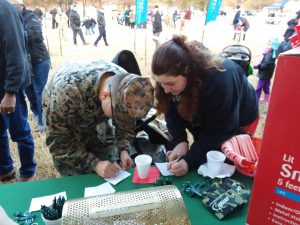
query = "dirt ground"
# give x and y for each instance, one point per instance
(217, 35)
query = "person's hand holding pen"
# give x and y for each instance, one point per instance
(179, 151)
(177, 165)
(107, 169)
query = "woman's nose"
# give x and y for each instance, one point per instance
(167, 90)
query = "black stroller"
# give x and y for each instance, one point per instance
(239, 54)
(152, 136)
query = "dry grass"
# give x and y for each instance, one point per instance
(119, 38)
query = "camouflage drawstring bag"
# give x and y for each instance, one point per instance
(221, 196)
(225, 196)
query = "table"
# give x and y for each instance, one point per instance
(17, 196)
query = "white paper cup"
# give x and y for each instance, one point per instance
(215, 160)
(143, 163)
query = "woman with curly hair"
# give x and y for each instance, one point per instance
(207, 95)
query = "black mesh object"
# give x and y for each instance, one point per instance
(239, 54)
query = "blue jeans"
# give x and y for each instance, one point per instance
(35, 90)
(20, 132)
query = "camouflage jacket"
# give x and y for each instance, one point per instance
(78, 133)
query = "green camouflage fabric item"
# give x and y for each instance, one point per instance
(223, 197)
(78, 133)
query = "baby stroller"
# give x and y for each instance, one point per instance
(239, 54)
(152, 136)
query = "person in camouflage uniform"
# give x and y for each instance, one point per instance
(79, 100)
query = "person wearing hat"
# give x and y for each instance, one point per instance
(266, 65)
(79, 101)
(14, 78)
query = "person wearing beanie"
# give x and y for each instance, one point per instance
(266, 66)
(80, 102)
(14, 78)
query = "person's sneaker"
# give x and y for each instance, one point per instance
(40, 128)
(106, 45)
(95, 45)
(8, 176)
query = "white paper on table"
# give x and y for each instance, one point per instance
(163, 169)
(120, 176)
(102, 189)
(36, 203)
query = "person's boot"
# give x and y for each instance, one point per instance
(266, 98)
(8, 176)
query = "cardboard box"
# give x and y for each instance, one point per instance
(276, 189)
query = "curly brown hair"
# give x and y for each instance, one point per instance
(190, 59)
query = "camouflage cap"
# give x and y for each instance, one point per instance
(133, 95)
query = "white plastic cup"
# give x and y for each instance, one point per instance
(143, 163)
(215, 161)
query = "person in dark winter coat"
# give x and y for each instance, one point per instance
(236, 20)
(290, 31)
(14, 78)
(40, 61)
(266, 67)
(204, 94)
(237, 16)
(53, 12)
(75, 25)
(101, 26)
(174, 17)
(157, 26)
(245, 25)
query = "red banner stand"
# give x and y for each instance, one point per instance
(276, 189)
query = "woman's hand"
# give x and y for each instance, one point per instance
(178, 168)
(179, 151)
(126, 160)
(106, 169)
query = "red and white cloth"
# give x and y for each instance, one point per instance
(241, 151)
